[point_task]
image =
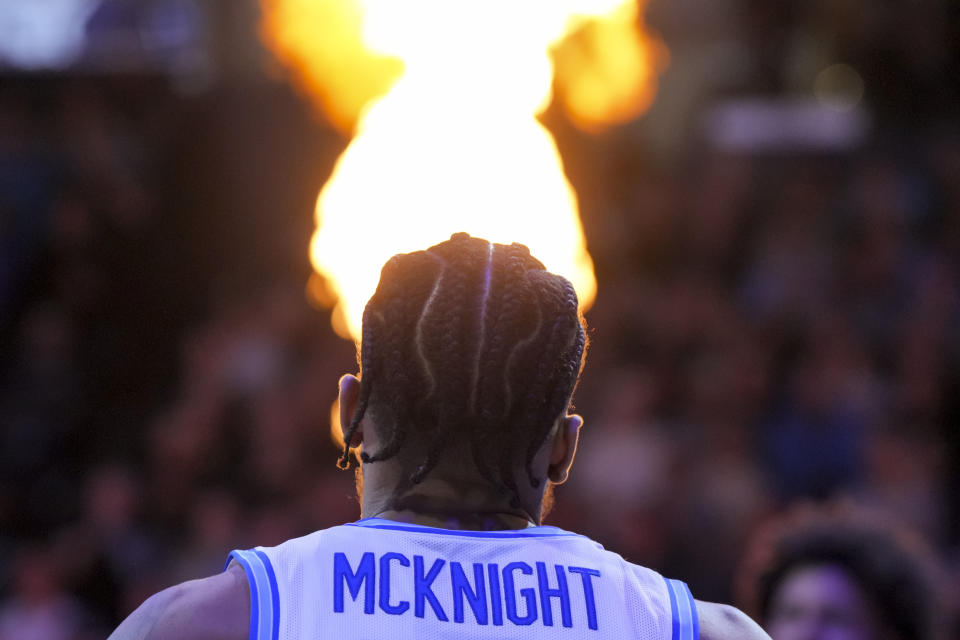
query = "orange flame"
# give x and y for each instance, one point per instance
(607, 67)
(452, 142)
(322, 40)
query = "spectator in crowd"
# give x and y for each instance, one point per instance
(825, 573)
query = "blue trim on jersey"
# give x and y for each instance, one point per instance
(532, 532)
(675, 624)
(685, 625)
(274, 592)
(264, 594)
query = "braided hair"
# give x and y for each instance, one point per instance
(468, 341)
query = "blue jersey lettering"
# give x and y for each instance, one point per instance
(385, 605)
(422, 591)
(585, 578)
(509, 591)
(362, 577)
(512, 596)
(476, 597)
(496, 601)
(560, 592)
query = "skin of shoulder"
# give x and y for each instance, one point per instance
(724, 622)
(214, 608)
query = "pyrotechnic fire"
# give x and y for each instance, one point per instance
(451, 142)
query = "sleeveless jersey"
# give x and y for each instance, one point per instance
(383, 579)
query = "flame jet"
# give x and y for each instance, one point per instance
(448, 139)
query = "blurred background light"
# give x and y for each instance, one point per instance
(839, 87)
(104, 36)
(43, 34)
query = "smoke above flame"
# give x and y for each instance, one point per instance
(441, 98)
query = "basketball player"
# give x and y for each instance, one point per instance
(470, 354)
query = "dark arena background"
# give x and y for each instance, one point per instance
(776, 241)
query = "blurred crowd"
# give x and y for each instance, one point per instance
(770, 328)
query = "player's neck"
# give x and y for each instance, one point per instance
(447, 504)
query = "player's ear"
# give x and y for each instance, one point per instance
(563, 448)
(349, 392)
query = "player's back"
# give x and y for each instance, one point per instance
(383, 579)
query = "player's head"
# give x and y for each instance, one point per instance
(470, 351)
(829, 573)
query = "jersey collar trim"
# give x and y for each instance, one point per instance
(532, 532)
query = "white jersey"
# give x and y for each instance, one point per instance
(383, 579)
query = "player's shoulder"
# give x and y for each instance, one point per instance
(214, 608)
(724, 622)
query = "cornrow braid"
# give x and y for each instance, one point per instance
(509, 328)
(471, 342)
(446, 335)
(417, 280)
(366, 389)
(566, 368)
